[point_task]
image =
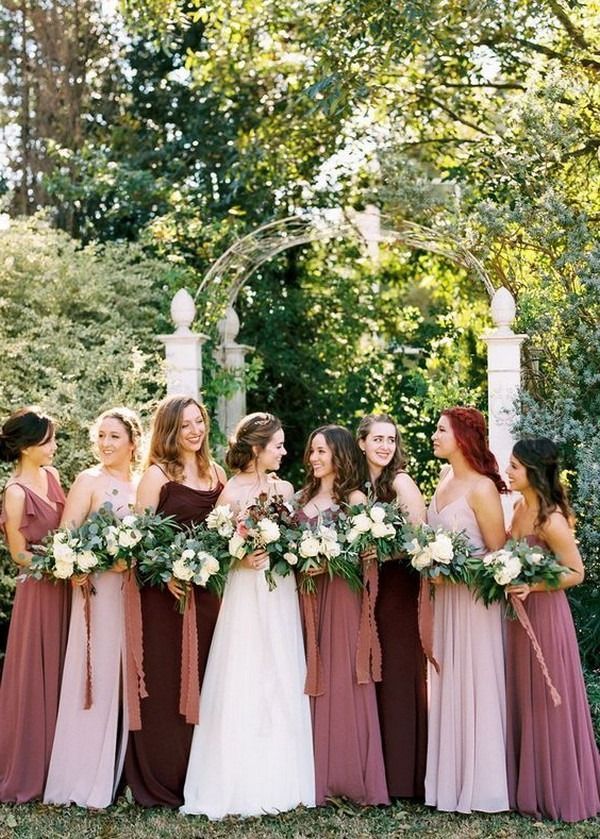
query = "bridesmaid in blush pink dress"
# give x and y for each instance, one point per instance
(32, 507)
(553, 762)
(347, 738)
(402, 692)
(89, 776)
(466, 754)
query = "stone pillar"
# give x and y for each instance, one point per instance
(232, 357)
(368, 222)
(504, 375)
(183, 349)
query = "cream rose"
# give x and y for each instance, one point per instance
(290, 558)
(377, 513)
(381, 530)
(237, 546)
(86, 560)
(181, 570)
(361, 522)
(423, 559)
(508, 571)
(441, 549)
(269, 531)
(309, 546)
(62, 569)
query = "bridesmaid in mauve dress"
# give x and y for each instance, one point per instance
(181, 481)
(553, 762)
(32, 507)
(89, 776)
(402, 691)
(466, 753)
(346, 734)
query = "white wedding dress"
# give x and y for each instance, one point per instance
(252, 750)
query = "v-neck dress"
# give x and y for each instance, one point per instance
(33, 666)
(466, 753)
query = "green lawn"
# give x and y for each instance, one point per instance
(34, 821)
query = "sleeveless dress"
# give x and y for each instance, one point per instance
(346, 733)
(252, 749)
(89, 776)
(157, 755)
(553, 763)
(466, 753)
(402, 692)
(33, 665)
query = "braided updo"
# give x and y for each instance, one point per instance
(252, 430)
(130, 422)
(470, 431)
(26, 427)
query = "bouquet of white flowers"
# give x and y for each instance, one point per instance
(323, 547)
(516, 563)
(375, 524)
(438, 553)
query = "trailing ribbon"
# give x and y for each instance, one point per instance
(523, 618)
(313, 686)
(189, 697)
(134, 668)
(368, 649)
(425, 620)
(86, 591)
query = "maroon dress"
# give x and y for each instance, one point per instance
(553, 762)
(157, 755)
(35, 653)
(402, 692)
(346, 735)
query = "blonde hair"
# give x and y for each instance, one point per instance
(164, 450)
(130, 422)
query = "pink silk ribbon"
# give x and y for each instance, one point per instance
(523, 618)
(189, 697)
(368, 649)
(134, 669)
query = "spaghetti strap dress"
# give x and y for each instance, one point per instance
(89, 776)
(466, 754)
(346, 732)
(553, 762)
(33, 666)
(157, 755)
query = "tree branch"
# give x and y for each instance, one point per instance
(574, 31)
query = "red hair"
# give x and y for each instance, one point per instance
(468, 425)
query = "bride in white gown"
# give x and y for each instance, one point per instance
(252, 750)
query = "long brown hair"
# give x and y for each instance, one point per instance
(383, 488)
(344, 455)
(164, 437)
(469, 428)
(539, 456)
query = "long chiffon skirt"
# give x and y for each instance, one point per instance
(466, 754)
(553, 763)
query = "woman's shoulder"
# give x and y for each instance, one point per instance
(482, 488)
(281, 487)
(357, 497)
(219, 472)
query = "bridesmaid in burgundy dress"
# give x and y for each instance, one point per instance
(402, 693)
(32, 507)
(181, 480)
(347, 739)
(553, 762)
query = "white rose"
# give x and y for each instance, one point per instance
(62, 551)
(181, 570)
(269, 530)
(328, 532)
(353, 534)
(126, 539)
(330, 549)
(381, 530)
(188, 553)
(202, 577)
(489, 559)
(87, 560)
(63, 569)
(225, 529)
(536, 558)
(309, 546)
(221, 520)
(129, 521)
(361, 522)
(508, 571)
(422, 559)
(111, 539)
(441, 548)
(136, 536)
(209, 563)
(237, 546)
(290, 558)
(377, 513)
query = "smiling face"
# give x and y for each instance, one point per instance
(380, 444)
(517, 474)
(270, 457)
(193, 429)
(43, 453)
(444, 440)
(320, 457)
(114, 444)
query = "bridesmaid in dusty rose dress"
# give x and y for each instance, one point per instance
(553, 762)
(89, 776)
(32, 507)
(402, 692)
(347, 739)
(466, 753)
(183, 481)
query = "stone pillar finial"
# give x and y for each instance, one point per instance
(183, 349)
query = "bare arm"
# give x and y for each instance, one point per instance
(485, 502)
(79, 501)
(148, 491)
(14, 504)
(357, 497)
(409, 498)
